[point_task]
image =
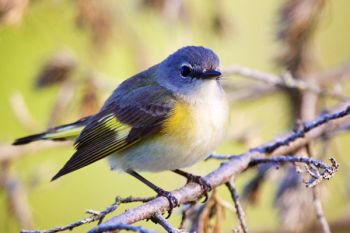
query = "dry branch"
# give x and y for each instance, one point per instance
(282, 81)
(233, 167)
(238, 207)
(98, 216)
(316, 169)
(159, 219)
(121, 227)
(94, 216)
(319, 211)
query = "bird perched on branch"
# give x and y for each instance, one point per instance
(167, 117)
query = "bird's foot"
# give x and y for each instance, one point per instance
(206, 187)
(173, 202)
(203, 183)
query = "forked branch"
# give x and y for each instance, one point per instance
(236, 165)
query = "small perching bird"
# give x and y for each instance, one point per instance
(167, 117)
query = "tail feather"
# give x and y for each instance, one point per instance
(28, 139)
(58, 133)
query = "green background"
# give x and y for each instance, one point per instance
(142, 37)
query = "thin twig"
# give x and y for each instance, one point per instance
(316, 199)
(284, 81)
(121, 226)
(239, 210)
(316, 169)
(159, 219)
(307, 127)
(319, 211)
(94, 216)
(329, 134)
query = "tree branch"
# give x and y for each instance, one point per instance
(285, 80)
(316, 169)
(159, 219)
(120, 226)
(238, 207)
(235, 166)
(319, 211)
(98, 216)
(94, 216)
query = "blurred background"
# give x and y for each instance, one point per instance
(61, 59)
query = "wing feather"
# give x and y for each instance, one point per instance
(122, 122)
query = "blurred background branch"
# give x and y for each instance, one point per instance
(61, 59)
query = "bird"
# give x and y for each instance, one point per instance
(167, 117)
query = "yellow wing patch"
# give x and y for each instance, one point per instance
(109, 123)
(120, 128)
(97, 141)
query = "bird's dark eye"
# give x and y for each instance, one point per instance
(186, 70)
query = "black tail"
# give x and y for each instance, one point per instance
(42, 136)
(28, 139)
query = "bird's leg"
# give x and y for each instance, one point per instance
(196, 179)
(173, 202)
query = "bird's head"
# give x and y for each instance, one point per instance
(188, 69)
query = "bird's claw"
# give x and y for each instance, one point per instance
(173, 202)
(203, 183)
(206, 187)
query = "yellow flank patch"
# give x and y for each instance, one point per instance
(179, 123)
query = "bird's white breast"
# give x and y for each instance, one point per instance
(196, 134)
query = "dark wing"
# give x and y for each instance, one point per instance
(123, 121)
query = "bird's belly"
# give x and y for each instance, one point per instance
(157, 154)
(188, 137)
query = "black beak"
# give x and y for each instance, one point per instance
(210, 74)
